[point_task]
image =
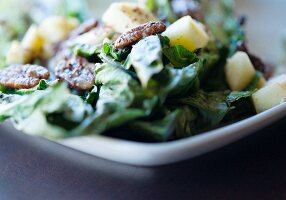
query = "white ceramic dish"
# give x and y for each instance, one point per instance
(143, 154)
(266, 12)
(266, 19)
(164, 153)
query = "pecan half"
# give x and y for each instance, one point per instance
(139, 32)
(77, 72)
(84, 28)
(22, 76)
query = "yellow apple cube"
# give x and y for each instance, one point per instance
(187, 32)
(269, 97)
(33, 40)
(93, 37)
(239, 71)
(124, 16)
(281, 79)
(261, 83)
(56, 28)
(18, 55)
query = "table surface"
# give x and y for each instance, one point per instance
(252, 168)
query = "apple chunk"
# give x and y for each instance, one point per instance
(239, 71)
(54, 29)
(33, 40)
(123, 16)
(187, 32)
(269, 96)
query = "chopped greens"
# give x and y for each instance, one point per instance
(151, 91)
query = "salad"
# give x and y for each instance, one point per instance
(151, 71)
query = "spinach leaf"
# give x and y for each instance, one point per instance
(236, 96)
(90, 52)
(43, 84)
(240, 102)
(211, 107)
(158, 130)
(173, 82)
(28, 109)
(121, 99)
(92, 96)
(179, 56)
(186, 123)
(146, 58)
(211, 70)
(117, 54)
(241, 106)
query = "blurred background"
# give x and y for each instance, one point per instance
(266, 24)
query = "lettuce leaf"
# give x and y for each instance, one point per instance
(146, 58)
(179, 56)
(211, 108)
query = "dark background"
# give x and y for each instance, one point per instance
(252, 168)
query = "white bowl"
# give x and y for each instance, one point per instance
(266, 21)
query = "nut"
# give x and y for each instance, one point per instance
(22, 76)
(84, 28)
(77, 72)
(139, 32)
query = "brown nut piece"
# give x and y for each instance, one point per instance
(84, 28)
(77, 72)
(22, 76)
(139, 32)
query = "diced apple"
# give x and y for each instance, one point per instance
(93, 37)
(33, 41)
(18, 55)
(261, 83)
(239, 71)
(281, 79)
(56, 28)
(187, 32)
(269, 97)
(124, 16)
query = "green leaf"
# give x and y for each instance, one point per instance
(236, 96)
(179, 56)
(90, 52)
(186, 123)
(212, 107)
(72, 113)
(146, 58)
(92, 96)
(121, 99)
(157, 130)
(28, 109)
(211, 70)
(43, 84)
(117, 54)
(241, 106)
(173, 82)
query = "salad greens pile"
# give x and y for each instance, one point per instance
(150, 92)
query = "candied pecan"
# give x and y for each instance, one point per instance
(77, 72)
(84, 28)
(22, 76)
(137, 33)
